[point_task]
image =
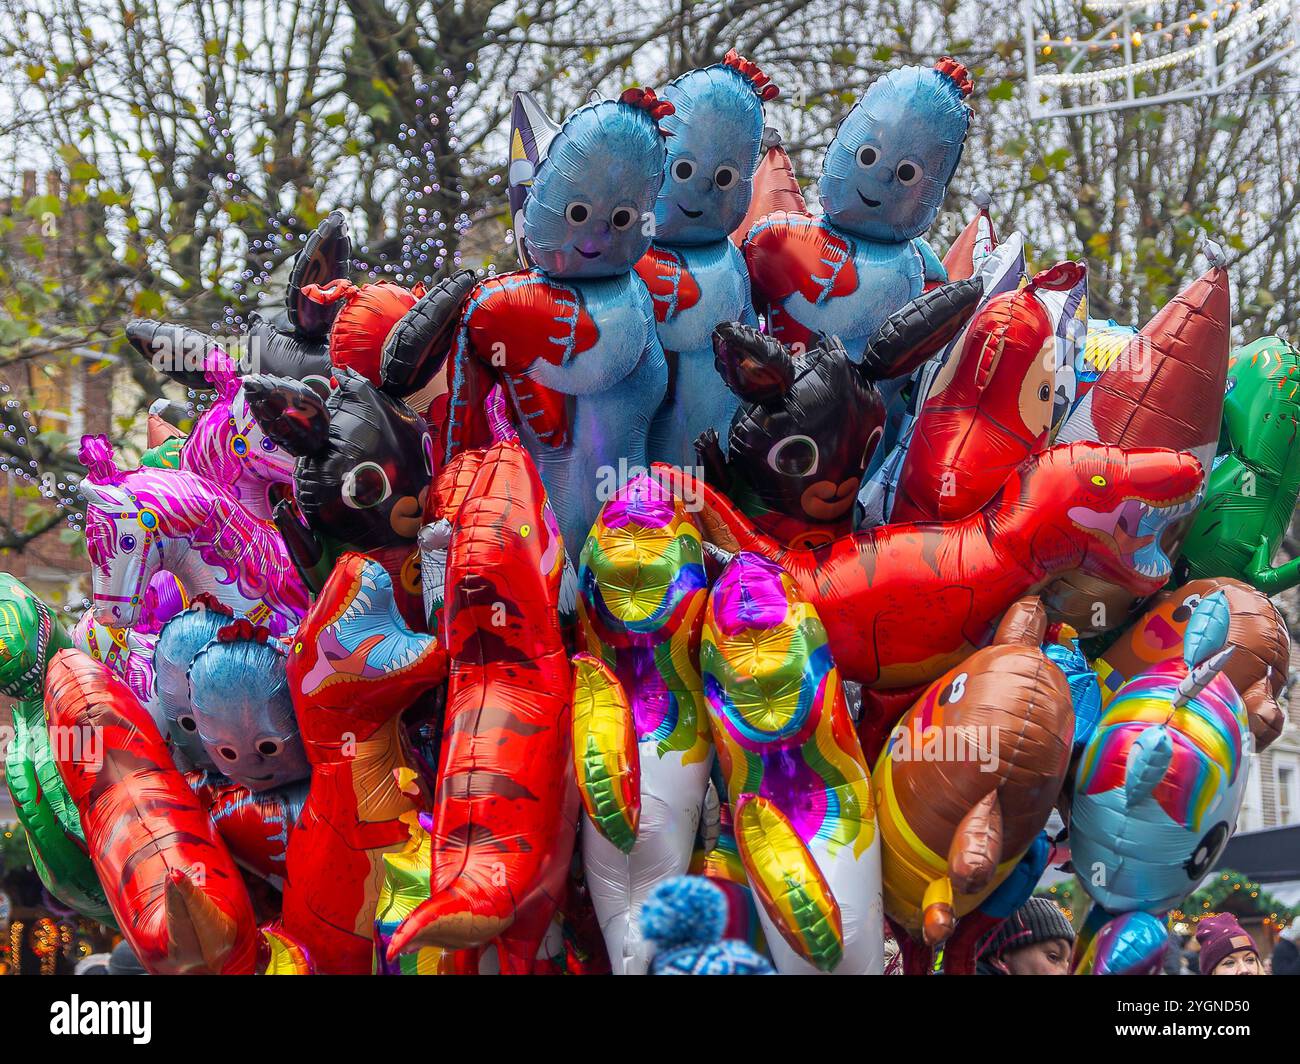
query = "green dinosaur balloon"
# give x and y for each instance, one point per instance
(1256, 477)
(30, 635)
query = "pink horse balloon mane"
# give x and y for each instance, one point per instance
(145, 520)
(228, 446)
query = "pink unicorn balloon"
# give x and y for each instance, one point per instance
(228, 446)
(146, 520)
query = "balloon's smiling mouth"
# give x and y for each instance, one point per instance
(689, 213)
(588, 254)
(868, 202)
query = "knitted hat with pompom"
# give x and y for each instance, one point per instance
(685, 918)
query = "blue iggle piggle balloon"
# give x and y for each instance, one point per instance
(883, 181)
(243, 709)
(571, 338)
(695, 274)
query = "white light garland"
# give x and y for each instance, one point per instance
(1238, 28)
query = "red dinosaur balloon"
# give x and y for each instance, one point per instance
(506, 809)
(1165, 389)
(173, 887)
(990, 407)
(354, 667)
(904, 603)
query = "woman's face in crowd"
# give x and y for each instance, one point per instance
(1243, 962)
(1042, 958)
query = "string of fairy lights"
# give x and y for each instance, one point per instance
(1224, 23)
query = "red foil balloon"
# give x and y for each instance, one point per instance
(1165, 389)
(506, 808)
(990, 407)
(353, 669)
(904, 603)
(775, 187)
(172, 884)
(360, 328)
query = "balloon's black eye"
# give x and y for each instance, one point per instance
(365, 486)
(683, 169)
(622, 218)
(908, 172)
(1186, 608)
(228, 752)
(794, 456)
(868, 156)
(187, 724)
(577, 212)
(725, 176)
(1043, 393)
(268, 748)
(1207, 850)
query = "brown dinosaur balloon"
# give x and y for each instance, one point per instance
(1258, 667)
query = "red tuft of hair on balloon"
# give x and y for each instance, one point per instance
(208, 601)
(243, 631)
(646, 100)
(950, 68)
(753, 73)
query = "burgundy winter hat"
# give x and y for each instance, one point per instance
(1220, 935)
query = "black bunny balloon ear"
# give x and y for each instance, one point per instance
(919, 330)
(290, 412)
(323, 258)
(754, 366)
(176, 350)
(419, 344)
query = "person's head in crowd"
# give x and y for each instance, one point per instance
(1036, 939)
(1226, 949)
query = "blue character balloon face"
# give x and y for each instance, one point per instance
(713, 151)
(180, 640)
(887, 170)
(245, 714)
(587, 210)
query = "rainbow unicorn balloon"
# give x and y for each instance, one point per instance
(1160, 784)
(641, 731)
(142, 521)
(804, 816)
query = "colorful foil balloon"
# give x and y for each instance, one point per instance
(696, 276)
(180, 639)
(1260, 662)
(353, 670)
(969, 777)
(1058, 511)
(641, 733)
(1159, 787)
(365, 462)
(366, 315)
(1253, 486)
(801, 791)
(30, 636)
(1165, 389)
(975, 243)
(146, 520)
(775, 187)
(405, 886)
(572, 339)
(127, 652)
(506, 810)
(173, 887)
(811, 420)
(255, 825)
(883, 181)
(1128, 944)
(1001, 271)
(243, 709)
(228, 447)
(989, 408)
